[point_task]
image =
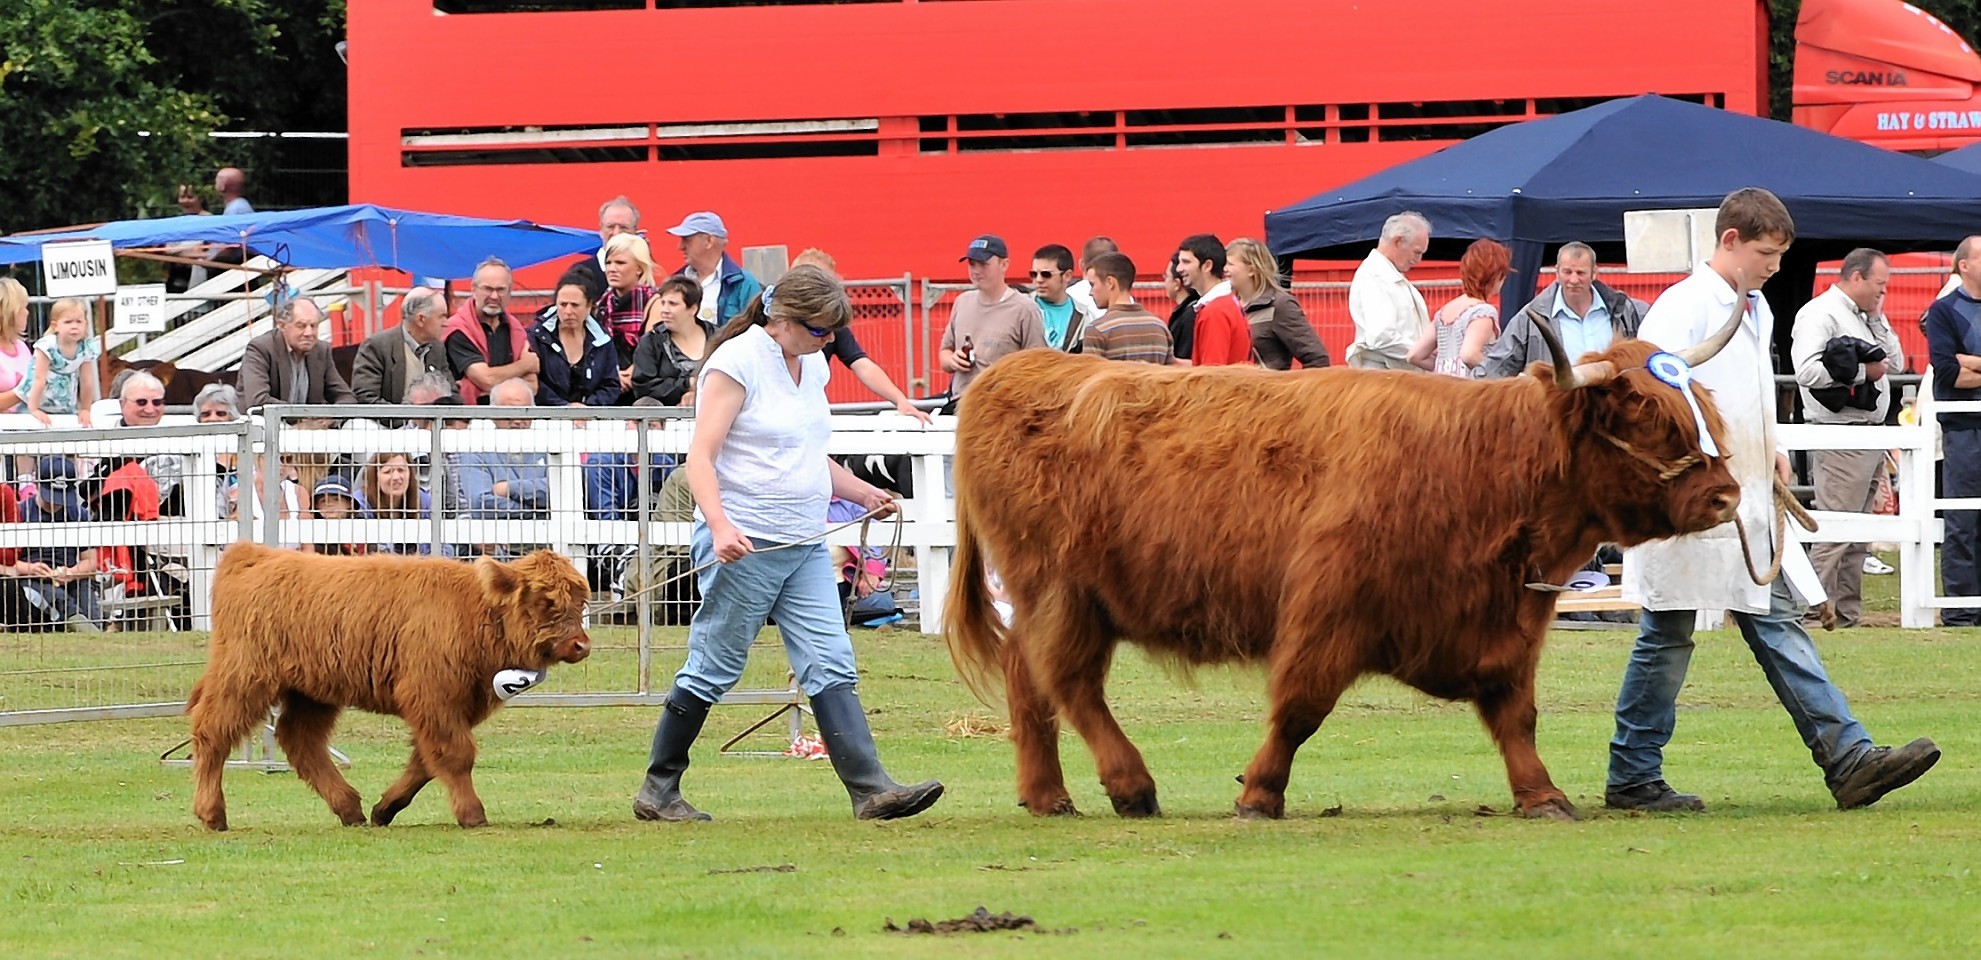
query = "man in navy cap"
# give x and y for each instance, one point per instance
(990, 320)
(70, 591)
(726, 286)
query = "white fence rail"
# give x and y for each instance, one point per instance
(928, 520)
(565, 439)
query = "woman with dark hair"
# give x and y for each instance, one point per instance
(578, 365)
(1455, 342)
(673, 345)
(758, 469)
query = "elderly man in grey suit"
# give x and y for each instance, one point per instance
(290, 364)
(389, 361)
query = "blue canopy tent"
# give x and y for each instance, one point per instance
(359, 235)
(1542, 183)
(1967, 158)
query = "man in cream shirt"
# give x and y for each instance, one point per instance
(1675, 578)
(1846, 480)
(1389, 313)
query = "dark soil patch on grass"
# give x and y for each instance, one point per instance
(979, 921)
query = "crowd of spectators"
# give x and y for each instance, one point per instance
(622, 330)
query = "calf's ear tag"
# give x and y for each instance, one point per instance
(513, 681)
(1671, 369)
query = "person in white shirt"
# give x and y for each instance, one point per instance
(761, 479)
(1389, 313)
(1080, 290)
(1674, 578)
(1846, 480)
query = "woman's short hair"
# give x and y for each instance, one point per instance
(218, 394)
(1484, 264)
(688, 290)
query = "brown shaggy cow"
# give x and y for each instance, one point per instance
(420, 638)
(1329, 523)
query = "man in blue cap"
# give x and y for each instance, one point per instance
(69, 593)
(989, 320)
(726, 286)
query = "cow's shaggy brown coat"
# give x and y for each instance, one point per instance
(1326, 523)
(416, 637)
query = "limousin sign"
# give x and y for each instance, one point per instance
(84, 268)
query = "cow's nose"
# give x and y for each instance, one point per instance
(1725, 502)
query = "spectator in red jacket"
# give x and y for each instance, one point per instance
(1220, 333)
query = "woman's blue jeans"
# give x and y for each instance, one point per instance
(794, 585)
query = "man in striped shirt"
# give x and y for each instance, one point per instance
(1124, 331)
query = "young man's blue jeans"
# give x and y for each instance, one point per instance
(1647, 706)
(794, 585)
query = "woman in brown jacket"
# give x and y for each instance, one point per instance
(1280, 331)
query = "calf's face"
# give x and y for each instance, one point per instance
(547, 594)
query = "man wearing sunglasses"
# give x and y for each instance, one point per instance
(1064, 317)
(142, 400)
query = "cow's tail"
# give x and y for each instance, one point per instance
(971, 623)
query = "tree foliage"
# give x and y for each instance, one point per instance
(106, 105)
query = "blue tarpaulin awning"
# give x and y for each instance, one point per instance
(358, 235)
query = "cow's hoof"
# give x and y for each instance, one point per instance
(381, 815)
(474, 820)
(1245, 812)
(354, 817)
(1138, 805)
(1556, 809)
(1059, 807)
(216, 824)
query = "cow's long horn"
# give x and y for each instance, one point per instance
(1701, 352)
(1568, 376)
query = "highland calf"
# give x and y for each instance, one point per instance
(416, 637)
(1326, 524)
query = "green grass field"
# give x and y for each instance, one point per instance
(102, 858)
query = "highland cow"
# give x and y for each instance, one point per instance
(420, 638)
(1326, 524)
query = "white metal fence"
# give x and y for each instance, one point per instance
(597, 506)
(57, 675)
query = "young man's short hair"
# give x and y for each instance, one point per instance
(1116, 266)
(1062, 258)
(1753, 213)
(1207, 248)
(1094, 247)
